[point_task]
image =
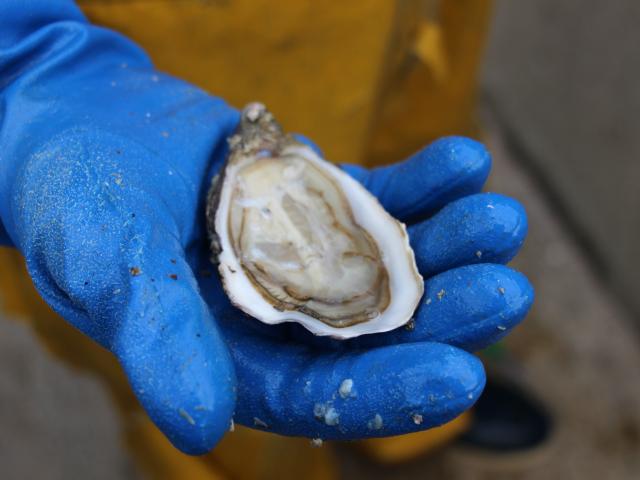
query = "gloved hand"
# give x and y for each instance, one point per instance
(104, 170)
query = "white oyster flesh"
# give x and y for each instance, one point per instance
(301, 241)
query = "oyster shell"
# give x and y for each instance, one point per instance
(297, 239)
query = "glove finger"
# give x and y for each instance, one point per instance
(447, 169)
(469, 307)
(172, 352)
(290, 389)
(482, 228)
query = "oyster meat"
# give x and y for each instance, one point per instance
(298, 240)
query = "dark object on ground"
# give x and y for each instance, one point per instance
(507, 419)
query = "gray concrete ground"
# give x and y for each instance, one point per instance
(563, 79)
(55, 423)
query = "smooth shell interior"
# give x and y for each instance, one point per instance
(293, 231)
(302, 241)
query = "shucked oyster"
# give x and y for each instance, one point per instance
(299, 240)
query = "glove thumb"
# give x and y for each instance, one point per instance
(173, 354)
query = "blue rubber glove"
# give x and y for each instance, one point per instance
(104, 169)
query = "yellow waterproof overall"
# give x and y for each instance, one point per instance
(370, 81)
